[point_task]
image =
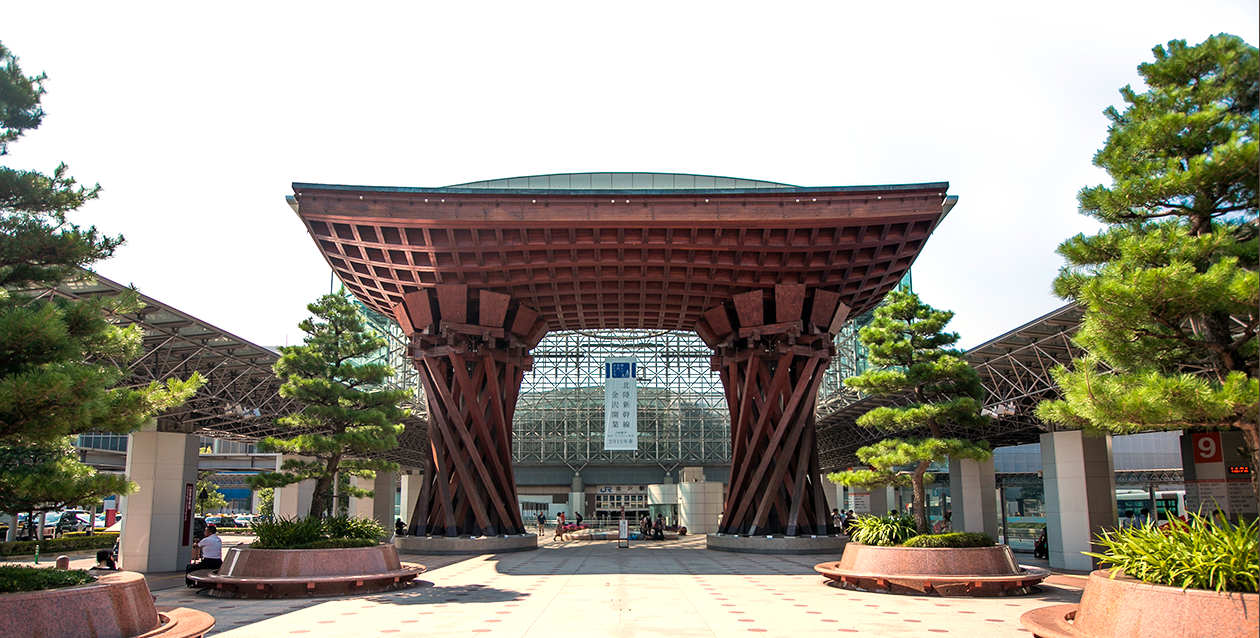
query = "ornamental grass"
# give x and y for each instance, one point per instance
(1199, 554)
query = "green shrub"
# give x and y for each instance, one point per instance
(1201, 554)
(338, 543)
(58, 545)
(285, 533)
(347, 527)
(953, 539)
(18, 578)
(885, 531)
(314, 533)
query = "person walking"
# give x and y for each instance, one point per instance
(542, 524)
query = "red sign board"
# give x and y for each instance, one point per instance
(1207, 447)
(188, 511)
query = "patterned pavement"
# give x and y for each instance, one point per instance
(676, 589)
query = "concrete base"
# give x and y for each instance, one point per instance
(464, 545)
(776, 544)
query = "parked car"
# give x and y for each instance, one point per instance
(72, 521)
(246, 520)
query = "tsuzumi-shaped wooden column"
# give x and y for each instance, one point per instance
(471, 349)
(772, 352)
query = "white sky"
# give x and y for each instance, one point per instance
(196, 118)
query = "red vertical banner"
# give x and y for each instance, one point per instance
(188, 511)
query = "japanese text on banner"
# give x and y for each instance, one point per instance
(621, 419)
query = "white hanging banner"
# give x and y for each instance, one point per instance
(621, 396)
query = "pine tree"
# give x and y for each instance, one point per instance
(1170, 284)
(59, 360)
(346, 410)
(907, 342)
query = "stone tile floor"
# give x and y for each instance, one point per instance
(676, 589)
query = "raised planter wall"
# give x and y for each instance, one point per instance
(246, 562)
(1122, 607)
(963, 571)
(929, 561)
(118, 605)
(289, 573)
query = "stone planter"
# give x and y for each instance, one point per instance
(117, 605)
(962, 571)
(1112, 608)
(290, 573)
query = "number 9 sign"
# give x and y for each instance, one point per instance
(1207, 447)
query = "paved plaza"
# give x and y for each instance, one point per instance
(675, 589)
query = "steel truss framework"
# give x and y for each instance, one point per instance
(1015, 370)
(241, 396)
(682, 411)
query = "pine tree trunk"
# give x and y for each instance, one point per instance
(920, 497)
(1251, 435)
(319, 500)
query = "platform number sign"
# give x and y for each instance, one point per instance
(1207, 447)
(621, 397)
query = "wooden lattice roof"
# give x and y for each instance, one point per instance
(645, 258)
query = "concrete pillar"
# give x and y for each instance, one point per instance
(383, 505)
(699, 505)
(882, 499)
(1080, 484)
(293, 501)
(379, 507)
(411, 484)
(972, 490)
(11, 535)
(157, 528)
(577, 497)
(363, 507)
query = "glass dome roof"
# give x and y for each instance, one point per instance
(621, 181)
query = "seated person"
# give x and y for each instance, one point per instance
(209, 550)
(105, 561)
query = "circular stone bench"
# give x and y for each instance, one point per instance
(117, 605)
(963, 571)
(294, 573)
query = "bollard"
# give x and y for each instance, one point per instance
(63, 562)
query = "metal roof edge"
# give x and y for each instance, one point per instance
(878, 188)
